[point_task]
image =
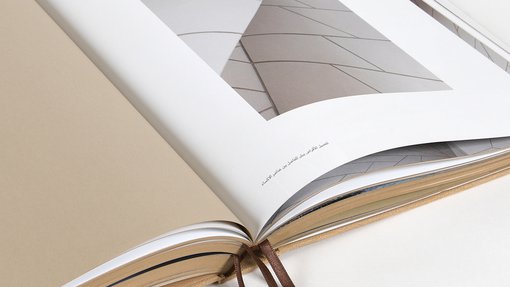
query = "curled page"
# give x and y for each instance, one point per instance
(254, 164)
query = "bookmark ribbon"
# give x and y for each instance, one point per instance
(265, 249)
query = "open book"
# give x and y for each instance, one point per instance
(290, 120)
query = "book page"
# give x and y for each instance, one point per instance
(485, 21)
(83, 177)
(464, 28)
(296, 53)
(428, 159)
(256, 163)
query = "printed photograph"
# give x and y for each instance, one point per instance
(298, 52)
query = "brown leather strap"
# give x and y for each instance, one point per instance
(238, 271)
(274, 261)
(265, 271)
(267, 250)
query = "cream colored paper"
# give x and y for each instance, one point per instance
(83, 177)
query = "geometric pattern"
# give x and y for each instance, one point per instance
(297, 52)
(198, 23)
(419, 153)
(386, 159)
(289, 43)
(400, 157)
(472, 146)
(468, 38)
(240, 73)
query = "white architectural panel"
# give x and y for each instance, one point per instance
(211, 28)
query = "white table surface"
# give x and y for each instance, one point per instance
(461, 240)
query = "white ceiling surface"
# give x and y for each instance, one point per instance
(211, 28)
